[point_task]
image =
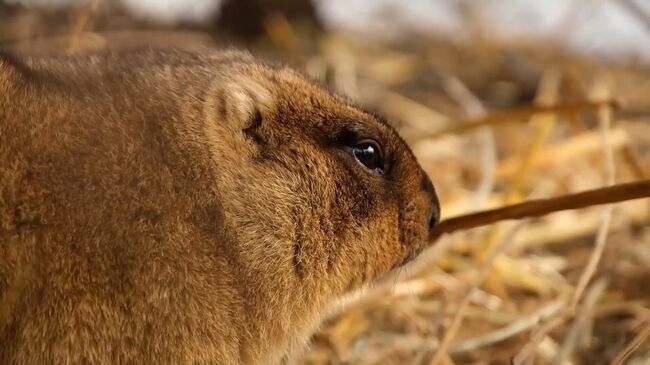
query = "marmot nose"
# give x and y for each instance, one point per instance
(427, 186)
(435, 216)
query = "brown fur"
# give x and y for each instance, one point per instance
(171, 207)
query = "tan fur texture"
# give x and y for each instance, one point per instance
(187, 208)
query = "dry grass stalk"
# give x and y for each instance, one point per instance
(486, 268)
(513, 329)
(519, 114)
(474, 109)
(539, 207)
(567, 150)
(605, 116)
(637, 341)
(281, 32)
(631, 158)
(81, 25)
(414, 113)
(539, 336)
(544, 123)
(575, 329)
(579, 323)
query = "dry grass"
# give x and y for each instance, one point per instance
(493, 124)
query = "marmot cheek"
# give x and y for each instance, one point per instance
(415, 222)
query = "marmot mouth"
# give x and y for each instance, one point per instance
(411, 256)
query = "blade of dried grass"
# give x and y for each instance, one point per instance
(561, 152)
(544, 124)
(604, 115)
(344, 63)
(586, 311)
(632, 160)
(81, 25)
(518, 114)
(510, 330)
(474, 108)
(539, 207)
(605, 120)
(281, 32)
(555, 231)
(537, 337)
(639, 339)
(442, 352)
(412, 112)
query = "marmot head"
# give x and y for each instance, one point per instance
(358, 203)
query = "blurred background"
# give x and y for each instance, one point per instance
(502, 101)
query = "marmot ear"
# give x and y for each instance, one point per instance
(253, 130)
(256, 101)
(240, 103)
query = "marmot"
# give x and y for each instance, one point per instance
(189, 207)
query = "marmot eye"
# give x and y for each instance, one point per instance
(369, 155)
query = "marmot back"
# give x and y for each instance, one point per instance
(189, 207)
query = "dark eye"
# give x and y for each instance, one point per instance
(369, 155)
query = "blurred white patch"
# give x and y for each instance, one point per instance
(388, 18)
(600, 27)
(53, 4)
(164, 11)
(174, 11)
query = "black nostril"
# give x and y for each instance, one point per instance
(435, 216)
(427, 186)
